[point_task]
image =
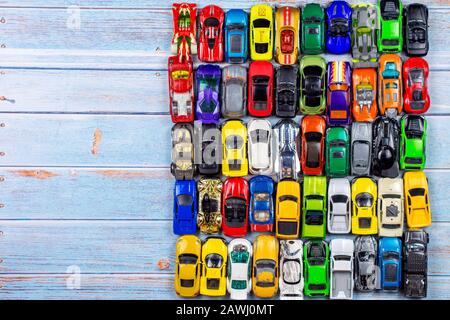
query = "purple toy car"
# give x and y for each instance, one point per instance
(338, 93)
(207, 79)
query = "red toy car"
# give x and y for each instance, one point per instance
(181, 90)
(235, 195)
(184, 26)
(260, 89)
(313, 144)
(210, 46)
(415, 81)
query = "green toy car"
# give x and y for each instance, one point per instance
(412, 142)
(314, 207)
(313, 29)
(316, 256)
(337, 152)
(390, 33)
(312, 84)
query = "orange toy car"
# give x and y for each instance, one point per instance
(390, 85)
(313, 144)
(365, 107)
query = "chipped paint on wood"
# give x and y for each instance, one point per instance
(96, 141)
(38, 174)
(163, 264)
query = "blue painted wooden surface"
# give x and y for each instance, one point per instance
(85, 149)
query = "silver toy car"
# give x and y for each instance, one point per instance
(366, 269)
(339, 206)
(286, 161)
(364, 39)
(361, 151)
(291, 270)
(234, 91)
(182, 166)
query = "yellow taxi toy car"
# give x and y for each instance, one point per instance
(213, 281)
(265, 266)
(364, 200)
(234, 141)
(187, 269)
(417, 202)
(287, 26)
(288, 210)
(261, 32)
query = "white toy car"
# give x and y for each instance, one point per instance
(291, 267)
(390, 207)
(239, 278)
(339, 206)
(341, 269)
(260, 146)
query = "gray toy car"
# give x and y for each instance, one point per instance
(364, 39)
(183, 166)
(234, 91)
(361, 153)
(286, 161)
(365, 263)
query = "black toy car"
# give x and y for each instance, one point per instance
(415, 263)
(286, 91)
(207, 137)
(416, 30)
(385, 153)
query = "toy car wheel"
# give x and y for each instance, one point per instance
(172, 168)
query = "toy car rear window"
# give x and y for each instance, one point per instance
(417, 192)
(234, 142)
(187, 258)
(184, 200)
(314, 218)
(261, 23)
(214, 260)
(235, 212)
(187, 283)
(339, 198)
(287, 228)
(236, 43)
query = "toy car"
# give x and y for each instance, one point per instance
(339, 206)
(339, 93)
(207, 79)
(261, 212)
(390, 85)
(364, 26)
(236, 36)
(213, 281)
(417, 202)
(413, 142)
(313, 144)
(316, 259)
(337, 152)
(286, 88)
(416, 30)
(234, 141)
(313, 29)
(260, 89)
(187, 270)
(312, 84)
(286, 160)
(365, 263)
(182, 167)
(361, 150)
(239, 279)
(341, 269)
(390, 207)
(364, 208)
(210, 43)
(209, 218)
(314, 207)
(415, 264)
(265, 266)
(339, 21)
(260, 146)
(184, 27)
(207, 144)
(415, 79)
(390, 263)
(390, 34)
(291, 269)
(234, 91)
(364, 82)
(235, 201)
(288, 210)
(185, 207)
(287, 35)
(385, 153)
(261, 32)
(181, 89)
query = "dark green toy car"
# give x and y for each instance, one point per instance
(316, 256)
(413, 137)
(313, 29)
(390, 33)
(337, 152)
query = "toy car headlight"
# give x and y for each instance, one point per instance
(261, 216)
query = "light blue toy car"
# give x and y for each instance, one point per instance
(236, 36)
(390, 263)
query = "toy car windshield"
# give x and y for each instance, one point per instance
(414, 128)
(313, 20)
(184, 200)
(360, 151)
(235, 212)
(234, 142)
(287, 41)
(291, 271)
(187, 258)
(259, 136)
(265, 273)
(364, 200)
(339, 27)
(260, 94)
(313, 140)
(314, 217)
(214, 260)
(209, 206)
(236, 42)
(417, 192)
(390, 9)
(286, 98)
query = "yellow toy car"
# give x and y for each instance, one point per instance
(265, 266)
(213, 281)
(187, 269)
(288, 210)
(287, 35)
(417, 202)
(364, 200)
(234, 141)
(261, 32)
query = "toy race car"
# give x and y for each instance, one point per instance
(182, 167)
(234, 142)
(364, 82)
(265, 266)
(313, 29)
(316, 259)
(207, 140)
(390, 85)
(213, 281)
(390, 263)
(291, 270)
(339, 206)
(337, 152)
(341, 269)
(209, 218)
(417, 201)
(415, 79)
(184, 27)
(260, 89)
(385, 153)
(288, 210)
(339, 93)
(210, 43)
(185, 207)
(364, 209)
(413, 138)
(181, 89)
(287, 35)
(239, 279)
(207, 79)
(364, 26)
(390, 34)
(416, 30)
(235, 201)
(261, 32)
(361, 154)
(365, 263)
(339, 21)
(286, 160)
(314, 207)
(261, 211)
(188, 267)
(312, 84)
(415, 264)
(260, 152)
(286, 102)
(234, 91)
(313, 144)
(390, 207)
(236, 36)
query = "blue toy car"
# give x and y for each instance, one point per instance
(185, 207)
(390, 263)
(261, 211)
(339, 19)
(236, 36)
